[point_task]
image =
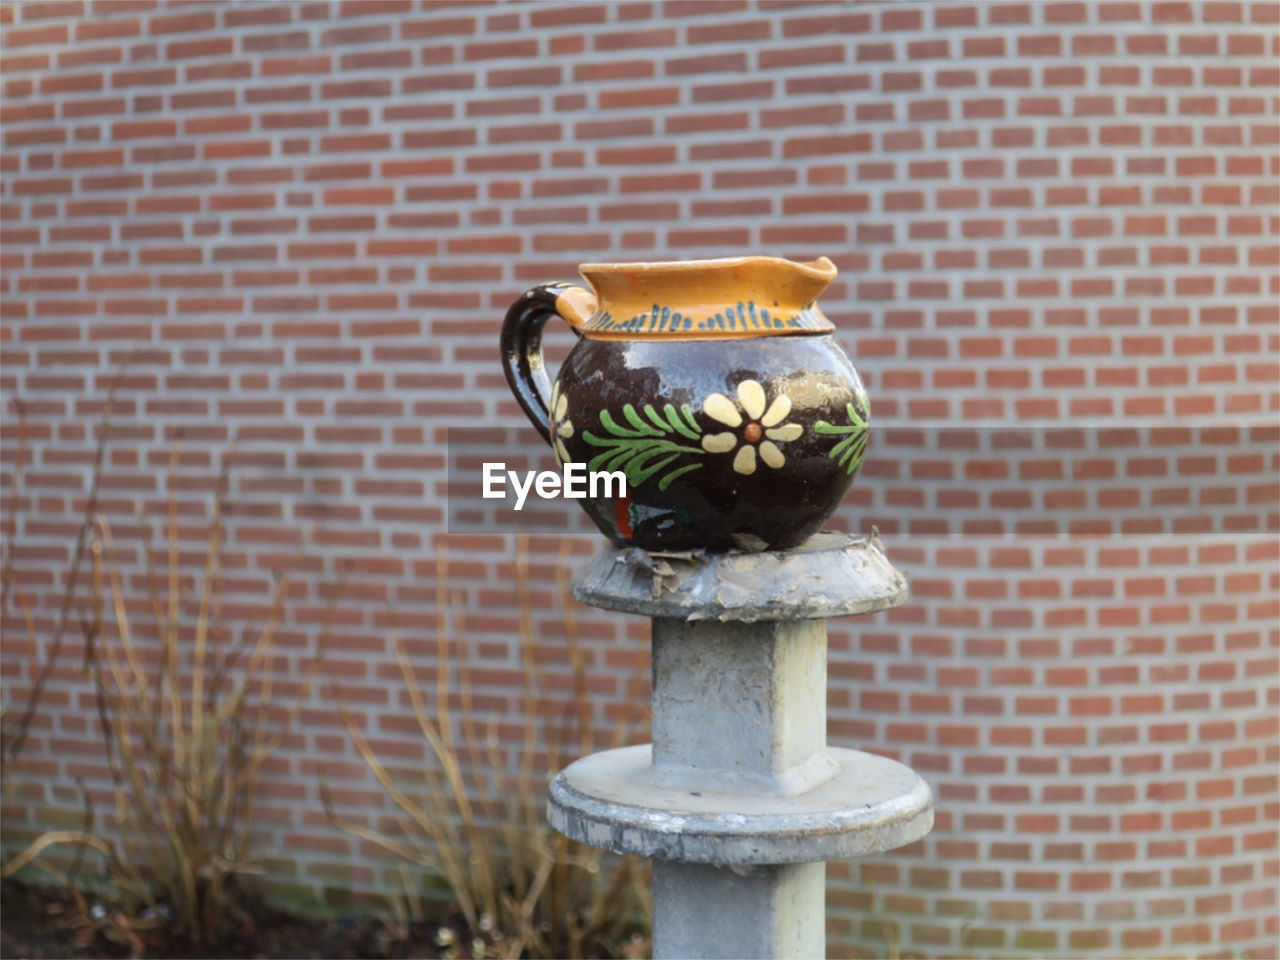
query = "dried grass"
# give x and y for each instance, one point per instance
(522, 889)
(188, 725)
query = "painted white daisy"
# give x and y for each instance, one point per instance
(561, 428)
(760, 427)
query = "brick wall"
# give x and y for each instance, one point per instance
(298, 224)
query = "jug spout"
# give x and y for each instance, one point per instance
(813, 277)
(708, 299)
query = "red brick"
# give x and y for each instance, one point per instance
(629, 40)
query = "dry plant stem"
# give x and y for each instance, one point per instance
(15, 734)
(585, 741)
(527, 653)
(521, 889)
(627, 880)
(15, 488)
(518, 828)
(186, 762)
(77, 859)
(51, 839)
(573, 859)
(420, 823)
(186, 736)
(447, 753)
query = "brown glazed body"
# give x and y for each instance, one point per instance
(736, 417)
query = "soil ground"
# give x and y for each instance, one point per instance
(44, 922)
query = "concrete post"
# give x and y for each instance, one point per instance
(739, 799)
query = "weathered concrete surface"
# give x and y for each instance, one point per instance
(616, 800)
(739, 799)
(829, 575)
(742, 707)
(742, 912)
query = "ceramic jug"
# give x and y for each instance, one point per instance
(715, 386)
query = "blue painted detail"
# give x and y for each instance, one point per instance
(744, 316)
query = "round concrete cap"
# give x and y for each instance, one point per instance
(829, 575)
(616, 800)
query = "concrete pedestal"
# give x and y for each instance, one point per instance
(739, 799)
(745, 912)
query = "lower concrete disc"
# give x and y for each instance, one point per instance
(617, 801)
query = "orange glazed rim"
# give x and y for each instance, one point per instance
(726, 297)
(819, 269)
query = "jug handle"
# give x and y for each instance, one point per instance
(522, 343)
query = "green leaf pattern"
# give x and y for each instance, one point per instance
(853, 445)
(648, 442)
